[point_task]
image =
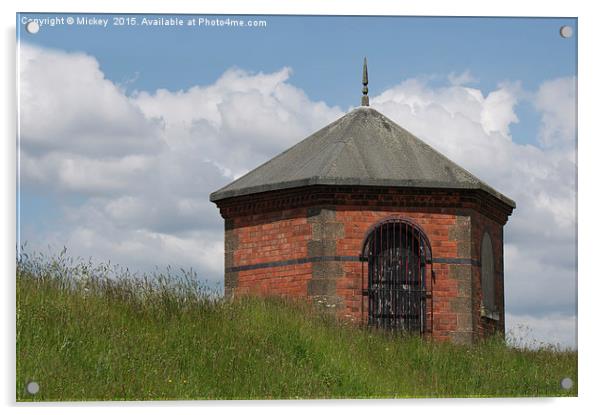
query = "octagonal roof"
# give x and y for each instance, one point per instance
(362, 148)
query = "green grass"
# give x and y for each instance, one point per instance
(84, 336)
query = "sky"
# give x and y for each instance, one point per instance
(125, 130)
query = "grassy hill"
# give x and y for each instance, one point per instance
(83, 336)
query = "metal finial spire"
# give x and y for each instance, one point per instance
(365, 99)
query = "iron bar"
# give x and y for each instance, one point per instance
(397, 287)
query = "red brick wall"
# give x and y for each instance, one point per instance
(331, 223)
(271, 237)
(290, 280)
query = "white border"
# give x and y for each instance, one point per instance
(589, 172)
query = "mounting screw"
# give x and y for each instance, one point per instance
(566, 31)
(566, 383)
(32, 388)
(32, 27)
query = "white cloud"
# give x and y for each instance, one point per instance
(239, 121)
(143, 166)
(498, 109)
(556, 101)
(464, 78)
(540, 281)
(66, 104)
(70, 172)
(199, 250)
(535, 331)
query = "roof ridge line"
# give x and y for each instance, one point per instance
(422, 142)
(328, 167)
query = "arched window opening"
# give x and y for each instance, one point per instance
(398, 254)
(488, 305)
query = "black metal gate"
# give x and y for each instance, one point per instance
(398, 254)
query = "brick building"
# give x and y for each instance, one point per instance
(370, 222)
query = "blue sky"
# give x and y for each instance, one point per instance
(494, 94)
(323, 49)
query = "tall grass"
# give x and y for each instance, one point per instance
(88, 332)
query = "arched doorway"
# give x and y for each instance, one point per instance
(398, 257)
